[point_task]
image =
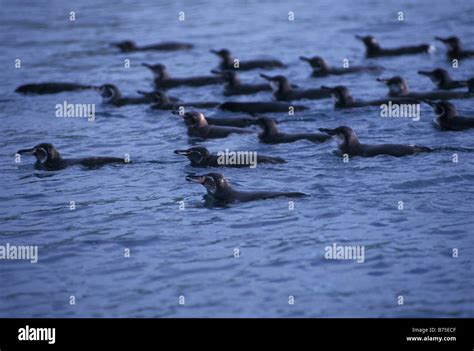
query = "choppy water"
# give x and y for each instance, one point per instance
(190, 252)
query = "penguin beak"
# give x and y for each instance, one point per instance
(360, 37)
(328, 131)
(264, 76)
(424, 73)
(302, 58)
(324, 87)
(182, 152)
(250, 121)
(196, 179)
(215, 71)
(440, 39)
(31, 151)
(215, 52)
(381, 80)
(177, 113)
(428, 102)
(147, 66)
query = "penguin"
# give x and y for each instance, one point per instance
(349, 145)
(373, 48)
(322, 69)
(198, 127)
(50, 88)
(455, 49)
(111, 95)
(233, 85)
(48, 158)
(163, 80)
(228, 62)
(199, 156)
(271, 135)
(343, 98)
(440, 77)
(219, 190)
(447, 117)
(398, 87)
(130, 46)
(284, 92)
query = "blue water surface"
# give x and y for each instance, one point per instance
(190, 253)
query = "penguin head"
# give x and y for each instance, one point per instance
(343, 135)
(43, 152)
(267, 124)
(443, 109)
(194, 119)
(224, 53)
(126, 45)
(342, 95)
(277, 82)
(452, 43)
(396, 85)
(369, 41)
(159, 70)
(195, 154)
(109, 92)
(213, 182)
(316, 62)
(437, 76)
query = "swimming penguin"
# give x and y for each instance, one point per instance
(48, 158)
(447, 116)
(199, 156)
(129, 46)
(343, 98)
(284, 92)
(50, 88)
(373, 48)
(198, 127)
(233, 86)
(112, 95)
(440, 77)
(455, 50)
(260, 107)
(163, 80)
(228, 62)
(322, 69)
(271, 135)
(163, 102)
(398, 87)
(219, 189)
(349, 145)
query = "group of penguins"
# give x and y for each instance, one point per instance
(284, 93)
